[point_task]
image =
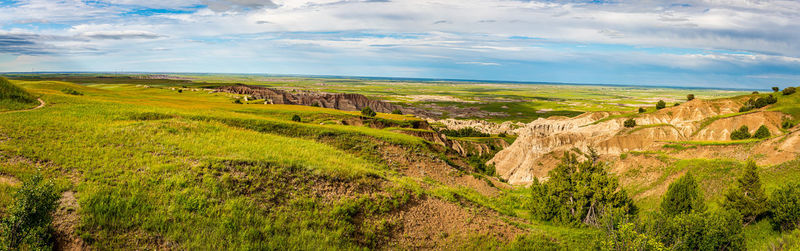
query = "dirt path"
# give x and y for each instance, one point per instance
(41, 104)
(65, 222)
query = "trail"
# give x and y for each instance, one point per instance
(41, 104)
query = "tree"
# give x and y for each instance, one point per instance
(776, 89)
(742, 133)
(789, 90)
(747, 196)
(630, 123)
(661, 104)
(755, 92)
(642, 110)
(28, 223)
(762, 133)
(296, 118)
(690, 97)
(683, 196)
(580, 192)
(397, 111)
(368, 112)
(180, 90)
(785, 207)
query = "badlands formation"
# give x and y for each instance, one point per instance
(542, 142)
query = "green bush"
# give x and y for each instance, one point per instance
(785, 207)
(758, 103)
(296, 118)
(237, 101)
(755, 92)
(71, 92)
(464, 132)
(776, 89)
(629, 123)
(397, 111)
(580, 192)
(661, 104)
(742, 133)
(14, 92)
(683, 196)
(368, 112)
(789, 90)
(690, 97)
(786, 124)
(747, 196)
(642, 110)
(28, 225)
(676, 104)
(762, 133)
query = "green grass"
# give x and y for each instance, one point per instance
(13, 97)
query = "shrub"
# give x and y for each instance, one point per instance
(747, 196)
(683, 196)
(464, 132)
(368, 112)
(580, 192)
(71, 92)
(14, 92)
(755, 92)
(785, 207)
(786, 124)
(789, 90)
(629, 123)
(237, 101)
(703, 231)
(296, 118)
(762, 133)
(758, 103)
(28, 223)
(315, 104)
(690, 97)
(397, 111)
(676, 104)
(642, 110)
(180, 90)
(776, 89)
(502, 135)
(742, 133)
(661, 104)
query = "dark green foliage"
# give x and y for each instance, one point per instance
(755, 92)
(502, 135)
(28, 223)
(464, 132)
(628, 237)
(397, 111)
(580, 192)
(776, 89)
(71, 92)
(683, 196)
(296, 118)
(180, 90)
(742, 133)
(479, 163)
(758, 103)
(676, 104)
(368, 112)
(315, 104)
(238, 101)
(785, 207)
(762, 133)
(789, 90)
(786, 124)
(747, 196)
(690, 97)
(629, 123)
(14, 92)
(661, 104)
(642, 110)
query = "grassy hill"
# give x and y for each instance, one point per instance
(12, 97)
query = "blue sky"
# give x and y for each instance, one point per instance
(712, 43)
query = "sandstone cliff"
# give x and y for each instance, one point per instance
(543, 140)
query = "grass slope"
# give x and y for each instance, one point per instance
(13, 97)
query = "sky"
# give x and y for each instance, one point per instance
(702, 43)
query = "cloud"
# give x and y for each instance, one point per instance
(119, 35)
(481, 63)
(20, 45)
(239, 5)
